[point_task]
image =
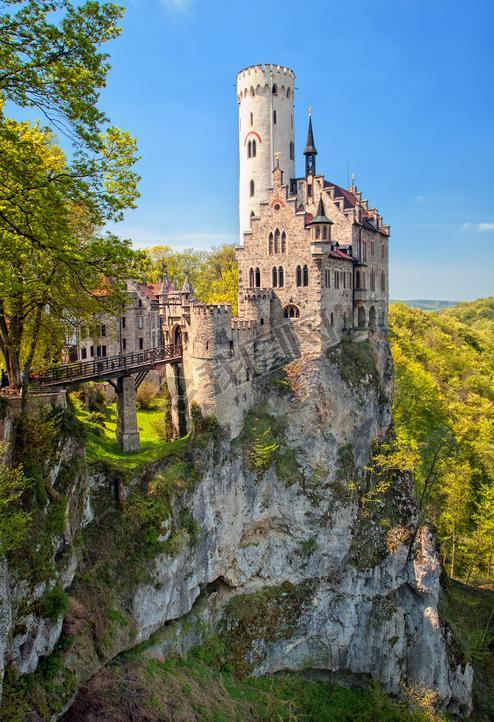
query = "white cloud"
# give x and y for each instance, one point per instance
(178, 7)
(481, 227)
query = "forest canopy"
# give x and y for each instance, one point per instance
(444, 420)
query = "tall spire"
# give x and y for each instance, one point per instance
(310, 151)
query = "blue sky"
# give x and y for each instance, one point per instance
(401, 90)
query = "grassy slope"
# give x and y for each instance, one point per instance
(102, 445)
(202, 687)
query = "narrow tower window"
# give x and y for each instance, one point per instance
(383, 281)
(283, 242)
(270, 244)
(275, 89)
(252, 118)
(281, 277)
(274, 117)
(254, 148)
(292, 151)
(277, 241)
(249, 149)
(298, 276)
(252, 188)
(305, 276)
(275, 276)
(258, 278)
(251, 278)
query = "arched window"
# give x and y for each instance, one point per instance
(270, 244)
(372, 280)
(252, 118)
(252, 188)
(275, 89)
(254, 148)
(305, 276)
(372, 318)
(318, 231)
(357, 279)
(324, 232)
(292, 148)
(383, 281)
(274, 117)
(298, 276)
(277, 241)
(275, 276)
(361, 317)
(251, 278)
(283, 242)
(252, 92)
(281, 277)
(249, 149)
(258, 278)
(291, 311)
(288, 92)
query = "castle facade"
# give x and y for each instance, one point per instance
(312, 261)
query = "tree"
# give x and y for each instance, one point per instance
(50, 59)
(213, 274)
(55, 262)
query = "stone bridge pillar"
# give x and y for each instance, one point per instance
(127, 429)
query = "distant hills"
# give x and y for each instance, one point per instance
(426, 305)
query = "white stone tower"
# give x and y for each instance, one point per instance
(266, 129)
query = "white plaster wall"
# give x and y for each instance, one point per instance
(254, 95)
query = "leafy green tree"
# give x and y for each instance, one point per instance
(444, 418)
(56, 264)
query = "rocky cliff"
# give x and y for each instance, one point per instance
(290, 542)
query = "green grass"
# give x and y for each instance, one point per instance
(102, 445)
(202, 686)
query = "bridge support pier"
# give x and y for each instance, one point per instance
(127, 429)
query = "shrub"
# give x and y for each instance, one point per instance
(147, 396)
(54, 604)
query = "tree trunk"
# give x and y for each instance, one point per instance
(453, 553)
(27, 366)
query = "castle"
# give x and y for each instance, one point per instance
(312, 262)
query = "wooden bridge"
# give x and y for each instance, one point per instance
(124, 373)
(111, 367)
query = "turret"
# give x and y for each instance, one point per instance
(265, 98)
(320, 232)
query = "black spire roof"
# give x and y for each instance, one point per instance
(320, 216)
(310, 148)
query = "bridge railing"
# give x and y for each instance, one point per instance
(105, 366)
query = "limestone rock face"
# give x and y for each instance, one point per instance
(369, 608)
(320, 565)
